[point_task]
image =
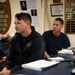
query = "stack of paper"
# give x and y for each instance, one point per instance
(40, 64)
(65, 51)
(56, 59)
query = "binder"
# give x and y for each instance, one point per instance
(65, 51)
(39, 64)
(56, 59)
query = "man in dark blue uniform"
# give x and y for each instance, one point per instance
(27, 45)
(55, 40)
(1, 51)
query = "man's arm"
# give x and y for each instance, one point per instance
(66, 43)
(46, 55)
(10, 59)
(5, 71)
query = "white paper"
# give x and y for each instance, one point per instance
(56, 59)
(39, 64)
(65, 51)
(31, 5)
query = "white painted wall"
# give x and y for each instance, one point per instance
(45, 19)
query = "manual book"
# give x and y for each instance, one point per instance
(56, 59)
(65, 51)
(39, 64)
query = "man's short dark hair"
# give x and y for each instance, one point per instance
(23, 16)
(61, 20)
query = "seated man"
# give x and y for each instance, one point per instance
(1, 51)
(55, 40)
(27, 45)
(4, 41)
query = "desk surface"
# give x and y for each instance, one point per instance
(63, 68)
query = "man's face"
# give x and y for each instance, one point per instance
(20, 26)
(57, 26)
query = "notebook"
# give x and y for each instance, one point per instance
(56, 59)
(65, 51)
(39, 64)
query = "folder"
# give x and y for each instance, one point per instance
(56, 59)
(39, 64)
(65, 51)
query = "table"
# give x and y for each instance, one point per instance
(63, 68)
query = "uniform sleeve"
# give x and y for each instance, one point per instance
(11, 56)
(1, 51)
(66, 43)
(38, 49)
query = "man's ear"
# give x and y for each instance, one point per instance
(28, 23)
(62, 26)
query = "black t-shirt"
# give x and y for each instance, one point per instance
(55, 43)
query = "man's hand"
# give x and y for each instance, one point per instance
(5, 71)
(46, 55)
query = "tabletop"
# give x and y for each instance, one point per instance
(63, 68)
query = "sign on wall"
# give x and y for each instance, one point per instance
(30, 6)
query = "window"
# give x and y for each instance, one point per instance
(69, 16)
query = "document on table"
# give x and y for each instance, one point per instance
(65, 51)
(56, 59)
(39, 64)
